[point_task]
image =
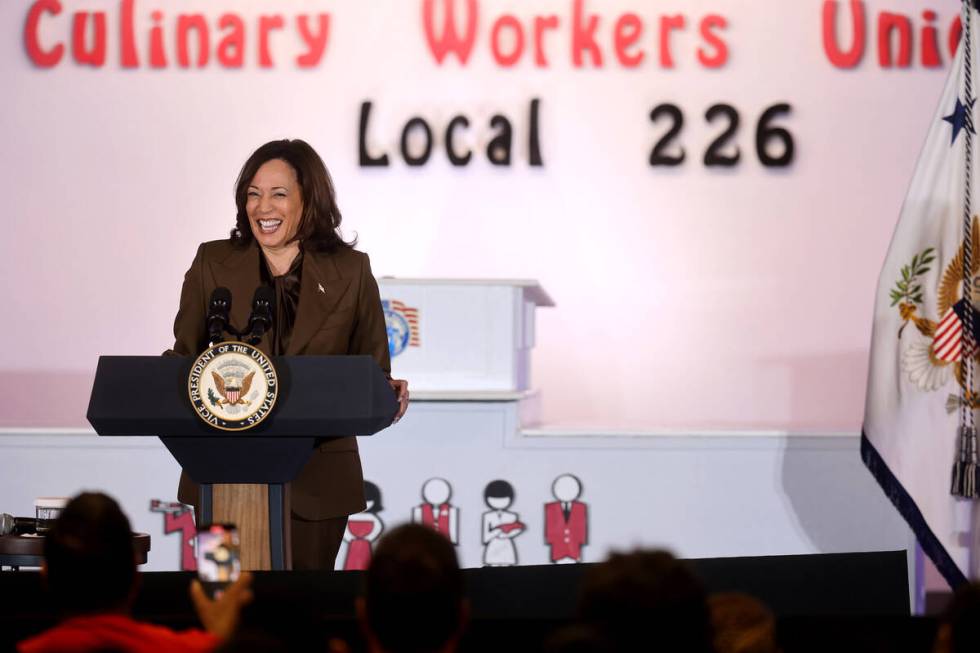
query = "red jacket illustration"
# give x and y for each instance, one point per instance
(440, 522)
(566, 536)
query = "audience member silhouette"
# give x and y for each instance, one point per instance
(646, 600)
(741, 624)
(91, 579)
(413, 596)
(959, 627)
(577, 638)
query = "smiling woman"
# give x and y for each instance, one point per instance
(287, 179)
(326, 302)
(274, 205)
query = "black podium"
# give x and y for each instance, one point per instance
(319, 396)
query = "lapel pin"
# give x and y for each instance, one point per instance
(319, 287)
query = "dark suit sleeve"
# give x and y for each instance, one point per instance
(190, 333)
(369, 335)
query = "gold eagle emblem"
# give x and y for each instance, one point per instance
(231, 396)
(935, 357)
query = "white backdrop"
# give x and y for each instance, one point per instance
(688, 297)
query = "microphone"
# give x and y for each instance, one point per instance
(218, 310)
(260, 321)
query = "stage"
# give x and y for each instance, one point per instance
(815, 597)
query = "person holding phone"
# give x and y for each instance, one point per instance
(91, 582)
(218, 559)
(327, 301)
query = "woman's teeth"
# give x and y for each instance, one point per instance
(269, 226)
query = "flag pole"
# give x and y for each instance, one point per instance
(964, 476)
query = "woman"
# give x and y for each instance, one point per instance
(327, 302)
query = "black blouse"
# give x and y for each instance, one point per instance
(286, 289)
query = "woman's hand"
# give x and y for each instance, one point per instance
(400, 386)
(220, 615)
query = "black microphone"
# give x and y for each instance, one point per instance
(263, 307)
(218, 309)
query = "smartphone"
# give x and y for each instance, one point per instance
(218, 561)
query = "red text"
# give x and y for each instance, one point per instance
(588, 39)
(185, 40)
(896, 34)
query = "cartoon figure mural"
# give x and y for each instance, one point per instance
(566, 521)
(179, 518)
(363, 529)
(500, 525)
(436, 512)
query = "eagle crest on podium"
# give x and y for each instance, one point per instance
(230, 394)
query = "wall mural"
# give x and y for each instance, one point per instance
(178, 518)
(500, 525)
(363, 530)
(566, 530)
(436, 512)
(566, 520)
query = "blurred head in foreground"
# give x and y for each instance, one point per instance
(742, 624)
(646, 599)
(89, 561)
(959, 628)
(413, 598)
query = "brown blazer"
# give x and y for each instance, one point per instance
(339, 312)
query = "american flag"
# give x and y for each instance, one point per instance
(411, 316)
(947, 343)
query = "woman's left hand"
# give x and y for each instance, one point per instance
(400, 386)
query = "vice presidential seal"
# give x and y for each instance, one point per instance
(232, 386)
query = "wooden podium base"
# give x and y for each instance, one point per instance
(260, 512)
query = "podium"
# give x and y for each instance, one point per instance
(463, 335)
(243, 474)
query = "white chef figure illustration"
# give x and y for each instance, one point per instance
(500, 525)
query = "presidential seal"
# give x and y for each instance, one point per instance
(232, 386)
(402, 325)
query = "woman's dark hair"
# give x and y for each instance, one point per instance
(647, 596)
(373, 493)
(319, 224)
(413, 591)
(89, 554)
(499, 490)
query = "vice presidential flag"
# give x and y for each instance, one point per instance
(919, 435)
